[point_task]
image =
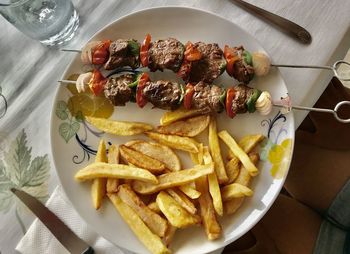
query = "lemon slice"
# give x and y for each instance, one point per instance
(88, 104)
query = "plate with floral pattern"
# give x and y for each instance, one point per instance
(74, 141)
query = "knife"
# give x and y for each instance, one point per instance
(286, 25)
(60, 230)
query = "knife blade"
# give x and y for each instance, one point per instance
(60, 230)
(285, 25)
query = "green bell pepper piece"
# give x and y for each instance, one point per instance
(252, 100)
(248, 59)
(134, 48)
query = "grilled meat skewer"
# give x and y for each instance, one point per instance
(192, 62)
(170, 95)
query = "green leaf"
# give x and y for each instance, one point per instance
(79, 117)
(40, 192)
(266, 146)
(5, 182)
(67, 131)
(17, 158)
(38, 172)
(6, 201)
(61, 110)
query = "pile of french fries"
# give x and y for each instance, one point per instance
(153, 193)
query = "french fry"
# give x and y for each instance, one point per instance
(216, 152)
(98, 188)
(113, 158)
(194, 158)
(182, 200)
(120, 128)
(101, 169)
(235, 190)
(157, 151)
(179, 114)
(190, 191)
(174, 212)
(197, 158)
(190, 127)
(207, 212)
(169, 235)
(170, 232)
(156, 224)
(232, 169)
(173, 179)
(154, 207)
(152, 242)
(243, 178)
(141, 160)
(243, 157)
(247, 143)
(176, 142)
(214, 188)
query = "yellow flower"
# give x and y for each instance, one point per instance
(280, 156)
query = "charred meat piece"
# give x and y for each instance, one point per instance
(207, 97)
(242, 94)
(242, 71)
(210, 66)
(163, 94)
(117, 90)
(165, 54)
(123, 53)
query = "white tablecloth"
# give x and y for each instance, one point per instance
(29, 72)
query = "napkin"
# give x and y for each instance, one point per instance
(38, 239)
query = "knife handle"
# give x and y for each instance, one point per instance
(89, 251)
(286, 25)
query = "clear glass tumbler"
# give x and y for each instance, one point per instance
(52, 22)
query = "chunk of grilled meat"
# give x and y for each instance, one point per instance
(120, 55)
(163, 94)
(117, 89)
(242, 71)
(242, 94)
(165, 54)
(207, 97)
(210, 66)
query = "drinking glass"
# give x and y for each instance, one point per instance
(52, 22)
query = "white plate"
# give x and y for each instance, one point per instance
(184, 24)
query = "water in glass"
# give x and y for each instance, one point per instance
(51, 22)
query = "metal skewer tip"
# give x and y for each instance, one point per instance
(71, 50)
(67, 81)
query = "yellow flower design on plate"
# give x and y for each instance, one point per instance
(280, 156)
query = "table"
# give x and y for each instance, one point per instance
(29, 72)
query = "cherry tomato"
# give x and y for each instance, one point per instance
(188, 96)
(140, 99)
(144, 50)
(185, 69)
(231, 57)
(97, 82)
(100, 53)
(230, 95)
(191, 53)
